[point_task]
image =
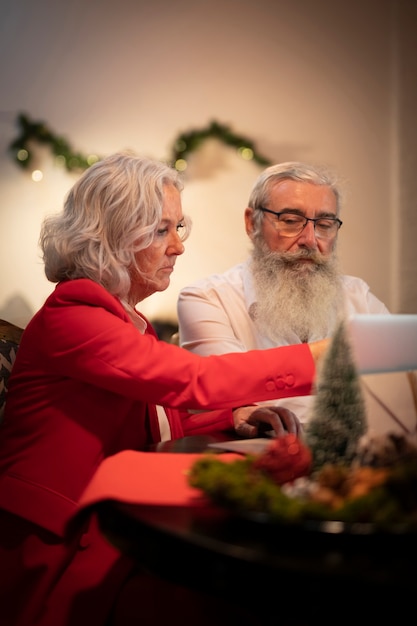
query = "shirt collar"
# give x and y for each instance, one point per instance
(136, 318)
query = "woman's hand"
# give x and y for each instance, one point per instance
(253, 421)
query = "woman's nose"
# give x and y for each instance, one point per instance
(176, 244)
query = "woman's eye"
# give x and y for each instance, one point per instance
(161, 231)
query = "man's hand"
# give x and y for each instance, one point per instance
(254, 421)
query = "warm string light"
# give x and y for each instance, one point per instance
(37, 175)
(23, 148)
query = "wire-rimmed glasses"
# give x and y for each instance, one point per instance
(290, 224)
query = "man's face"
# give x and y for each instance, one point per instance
(305, 199)
(296, 279)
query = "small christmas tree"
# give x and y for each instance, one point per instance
(338, 418)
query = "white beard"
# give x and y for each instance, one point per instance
(295, 298)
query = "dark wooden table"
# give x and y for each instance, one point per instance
(290, 574)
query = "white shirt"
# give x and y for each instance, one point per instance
(141, 325)
(213, 317)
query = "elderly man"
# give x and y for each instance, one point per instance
(291, 289)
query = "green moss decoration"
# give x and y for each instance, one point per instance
(187, 142)
(338, 418)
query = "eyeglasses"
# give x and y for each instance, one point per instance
(291, 224)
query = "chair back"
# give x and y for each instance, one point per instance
(10, 335)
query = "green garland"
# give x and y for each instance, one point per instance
(32, 132)
(38, 132)
(189, 141)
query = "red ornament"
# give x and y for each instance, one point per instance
(285, 459)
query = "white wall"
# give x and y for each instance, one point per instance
(314, 81)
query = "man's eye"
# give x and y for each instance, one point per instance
(291, 219)
(326, 224)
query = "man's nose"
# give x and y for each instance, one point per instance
(307, 237)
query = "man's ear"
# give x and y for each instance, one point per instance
(249, 221)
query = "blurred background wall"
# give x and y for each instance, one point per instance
(324, 81)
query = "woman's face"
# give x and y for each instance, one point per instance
(156, 263)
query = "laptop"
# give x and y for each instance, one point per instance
(380, 343)
(383, 343)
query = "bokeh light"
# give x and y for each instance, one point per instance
(181, 165)
(37, 176)
(92, 158)
(22, 155)
(246, 153)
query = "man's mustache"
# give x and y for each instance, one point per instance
(292, 258)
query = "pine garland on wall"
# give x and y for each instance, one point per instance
(32, 133)
(38, 132)
(189, 141)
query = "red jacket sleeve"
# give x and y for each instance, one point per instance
(94, 340)
(207, 422)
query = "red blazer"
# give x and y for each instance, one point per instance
(84, 386)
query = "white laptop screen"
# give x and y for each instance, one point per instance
(383, 343)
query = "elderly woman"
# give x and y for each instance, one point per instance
(92, 379)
